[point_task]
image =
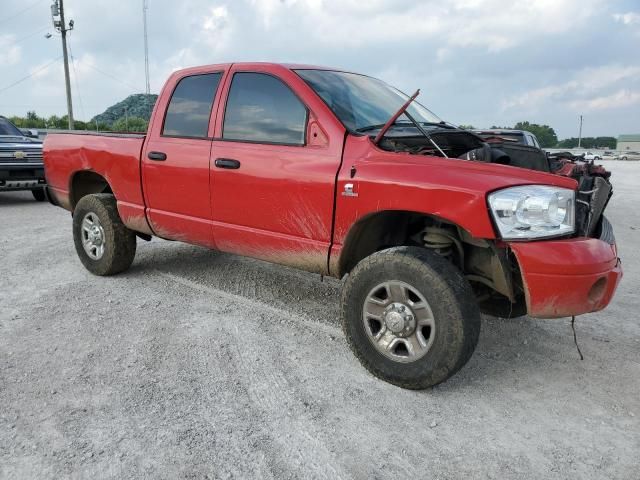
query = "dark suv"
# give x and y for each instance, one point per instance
(21, 166)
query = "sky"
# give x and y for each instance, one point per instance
(478, 62)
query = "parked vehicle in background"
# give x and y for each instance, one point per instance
(630, 155)
(610, 156)
(340, 174)
(592, 156)
(519, 136)
(21, 165)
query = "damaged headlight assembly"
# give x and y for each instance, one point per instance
(533, 211)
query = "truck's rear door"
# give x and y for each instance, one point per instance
(175, 159)
(274, 161)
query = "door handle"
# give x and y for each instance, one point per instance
(229, 163)
(159, 156)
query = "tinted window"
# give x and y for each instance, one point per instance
(190, 106)
(261, 108)
(362, 102)
(7, 128)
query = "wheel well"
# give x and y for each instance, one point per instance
(492, 271)
(376, 232)
(86, 183)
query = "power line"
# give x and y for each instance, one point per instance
(44, 67)
(26, 37)
(110, 76)
(75, 77)
(17, 14)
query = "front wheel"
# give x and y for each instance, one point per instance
(410, 317)
(105, 246)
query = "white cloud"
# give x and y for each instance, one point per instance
(620, 99)
(587, 84)
(629, 18)
(10, 53)
(467, 56)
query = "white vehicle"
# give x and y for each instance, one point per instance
(592, 156)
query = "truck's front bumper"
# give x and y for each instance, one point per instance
(568, 277)
(21, 176)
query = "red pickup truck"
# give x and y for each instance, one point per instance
(340, 174)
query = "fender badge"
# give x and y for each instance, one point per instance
(348, 190)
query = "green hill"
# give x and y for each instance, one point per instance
(138, 105)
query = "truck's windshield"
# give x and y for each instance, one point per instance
(8, 128)
(361, 102)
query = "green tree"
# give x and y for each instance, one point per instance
(131, 124)
(466, 127)
(545, 134)
(589, 142)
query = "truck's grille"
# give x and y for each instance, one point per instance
(21, 156)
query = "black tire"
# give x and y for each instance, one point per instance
(119, 241)
(449, 295)
(39, 195)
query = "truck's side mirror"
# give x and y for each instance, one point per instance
(29, 132)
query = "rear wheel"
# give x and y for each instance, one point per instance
(105, 246)
(410, 317)
(39, 195)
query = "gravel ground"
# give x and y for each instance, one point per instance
(196, 364)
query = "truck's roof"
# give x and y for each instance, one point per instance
(274, 65)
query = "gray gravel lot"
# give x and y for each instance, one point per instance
(197, 364)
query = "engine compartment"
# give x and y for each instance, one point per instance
(594, 187)
(465, 145)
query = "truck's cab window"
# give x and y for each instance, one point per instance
(190, 106)
(262, 109)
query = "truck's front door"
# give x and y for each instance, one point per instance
(175, 160)
(274, 161)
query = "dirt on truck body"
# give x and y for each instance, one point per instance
(340, 174)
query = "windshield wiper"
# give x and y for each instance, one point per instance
(368, 128)
(394, 117)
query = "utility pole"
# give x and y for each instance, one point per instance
(57, 10)
(146, 47)
(580, 133)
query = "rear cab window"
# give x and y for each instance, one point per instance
(189, 109)
(263, 109)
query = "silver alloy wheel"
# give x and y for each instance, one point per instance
(92, 236)
(398, 321)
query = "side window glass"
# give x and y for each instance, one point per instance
(189, 109)
(261, 108)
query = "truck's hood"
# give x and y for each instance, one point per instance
(477, 175)
(10, 142)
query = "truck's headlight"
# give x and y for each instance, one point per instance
(533, 211)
